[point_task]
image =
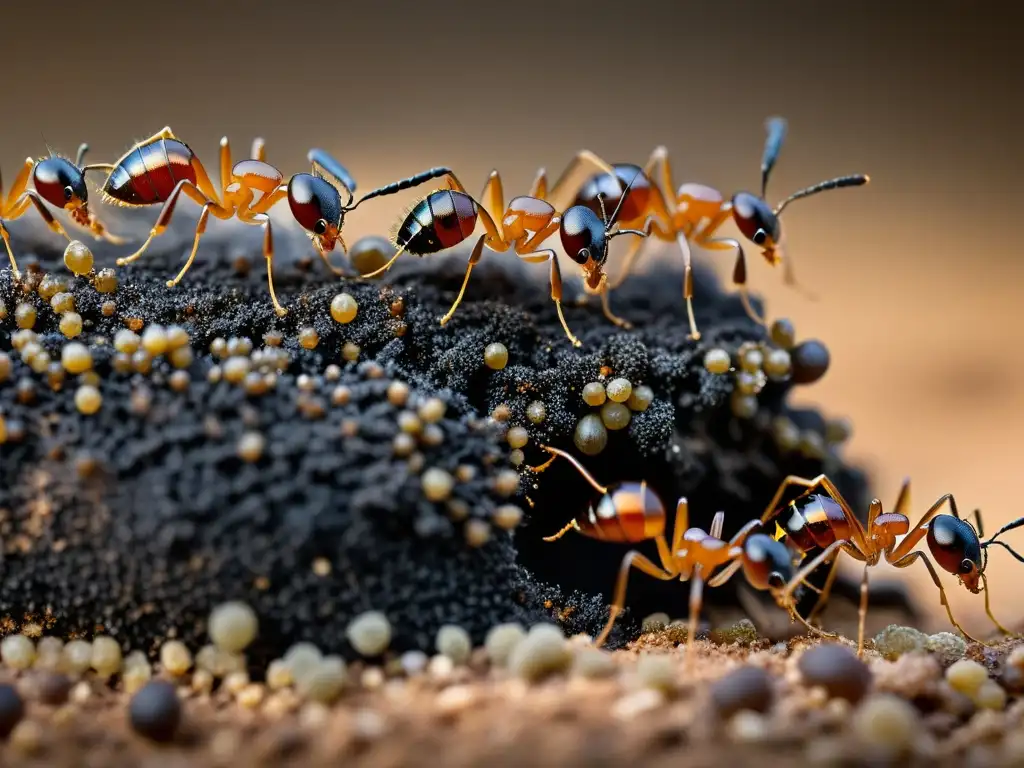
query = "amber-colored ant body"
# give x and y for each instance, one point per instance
(447, 217)
(630, 512)
(58, 182)
(825, 521)
(695, 212)
(162, 168)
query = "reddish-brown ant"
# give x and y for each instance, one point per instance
(448, 217)
(60, 183)
(162, 167)
(631, 512)
(824, 520)
(695, 212)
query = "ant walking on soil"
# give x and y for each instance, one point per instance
(162, 168)
(825, 520)
(58, 182)
(448, 217)
(695, 212)
(631, 512)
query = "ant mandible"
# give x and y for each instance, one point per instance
(631, 512)
(696, 212)
(60, 183)
(448, 217)
(825, 520)
(162, 168)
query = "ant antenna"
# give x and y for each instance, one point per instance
(324, 163)
(776, 127)
(604, 213)
(82, 149)
(1019, 522)
(837, 183)
(49, 149)
(622, 199)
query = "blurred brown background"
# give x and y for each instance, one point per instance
(920, 280)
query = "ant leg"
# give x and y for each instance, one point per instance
(208, 208)
(786, 596)
(907, 560)
(988, 608)
(582, 157)
(225, 165)
(10, 253)
(474, 259)
(263, 220)
(540, 185)
(681, 524)
(31, 198)
(555, 278)
(607, 310)
(493, 196)
(18, 187)
(633, 559)
(696, 599)
(184, 186)
(826, 590)
(259, 150)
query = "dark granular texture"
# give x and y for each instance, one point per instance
(139, 522)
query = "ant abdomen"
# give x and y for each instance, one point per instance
(443, 219)
(59, 182)
(629, 512)
(603, 185)
(150, 173)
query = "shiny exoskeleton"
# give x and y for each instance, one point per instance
(695, 212)
(820, 521)
(59, 182)
(447, 217)
(631, 512)
(162, 168)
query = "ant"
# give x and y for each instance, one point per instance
(630, 512)
(448, 217)
(696, 212)
(825, 520)
(162, 168)
(60, 183)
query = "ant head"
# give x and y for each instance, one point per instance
(758, 223)
(316, 205)
(955, 546)
(585, 239)
(767, 564)
(61, 183)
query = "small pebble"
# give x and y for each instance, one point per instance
(53, 688)
(590, 435)
(777, 364)
(536, 412)
(344, 308)
(432, 410)
(947, 647)
(967, 676)
(507, 516)
(369, 633)
(836, 669)
(308, 338)
(78, 258)
(990, 696)
(887, 722)
(70, 324)
(17, 651)
(593, 663)
(232, 626)
(413, 662)
(370, 253)
(300, 660)
(155, 711)
(783, 333)
(496, 356)
(655, 622)
(717, 361)
(746, 688)
(12, 709)
(454, 642)
(175, 657)
(501, 641)
(895, 641)
(641, 398)
(615, 416)
(437, 484)
(810, 361)
(324, 683)
(88, 399)
(656, 671)
(106, 656)
(638, 703)
(78, 656)
(618, 390)
(543, 651)
(594, 393)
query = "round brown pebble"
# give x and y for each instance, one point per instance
(590, 435)
(155, 711)
(344, 308)
(747, 688)
(496, 356)
(809, 360)
(886, 722)
(78, 258)
(836, 669)
(370, 253)
(12, 709)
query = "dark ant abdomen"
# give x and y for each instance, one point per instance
(149, 174)
(602, 184)
(443, 219)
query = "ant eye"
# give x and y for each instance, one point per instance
(583, 256)
(759, 237)
(320, 227)
(966, 566)
(68, 193)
